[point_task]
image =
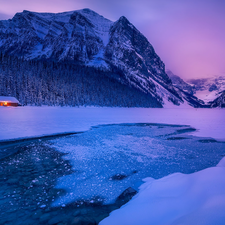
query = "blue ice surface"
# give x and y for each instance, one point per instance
(129, 152)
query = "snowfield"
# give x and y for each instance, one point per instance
(196, 198)
(21, 122)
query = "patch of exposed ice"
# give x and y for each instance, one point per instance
(101, 153)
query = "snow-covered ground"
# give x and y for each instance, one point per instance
(20, 122)
(197, 198)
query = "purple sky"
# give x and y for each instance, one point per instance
(188, 35)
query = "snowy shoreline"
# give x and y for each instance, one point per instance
(197, 198)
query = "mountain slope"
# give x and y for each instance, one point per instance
(186, 91)
(180, 83)
(85, 38)
(219, 101)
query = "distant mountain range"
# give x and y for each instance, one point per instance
(207, 90)
(86, 39)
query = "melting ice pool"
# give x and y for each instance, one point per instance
(108, 159)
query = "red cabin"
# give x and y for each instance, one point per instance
(8, 101)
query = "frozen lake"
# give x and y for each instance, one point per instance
(82, 175)
(20, 122)
(79, 177)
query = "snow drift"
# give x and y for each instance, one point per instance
(197, 198)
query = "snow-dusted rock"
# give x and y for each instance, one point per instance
(180, 83)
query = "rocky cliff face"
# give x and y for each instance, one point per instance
(86, 38)
(77, 35)
(180, 83)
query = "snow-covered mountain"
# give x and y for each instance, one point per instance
(208, 89)
(185, 90)
(180, 83)
(206, 92)
(87, 38)
(219, 101)
(76, 35)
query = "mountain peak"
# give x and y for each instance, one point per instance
(87, 10)
(26, 11)
(124, 19)
(93, 16)
(87, 38)
(123, 25)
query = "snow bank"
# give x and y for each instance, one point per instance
(20, 122)
(197, 198)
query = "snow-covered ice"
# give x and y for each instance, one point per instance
(20, 122)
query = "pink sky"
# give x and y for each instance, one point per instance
(188, 35)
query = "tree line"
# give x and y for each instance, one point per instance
(39, 82)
